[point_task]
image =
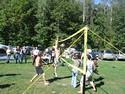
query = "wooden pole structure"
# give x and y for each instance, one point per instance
(56, 42)
(84, 10)
(85, 58)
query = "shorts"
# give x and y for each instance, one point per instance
(88, 78)
(39, 70)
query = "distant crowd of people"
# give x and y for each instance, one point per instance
(19, 54)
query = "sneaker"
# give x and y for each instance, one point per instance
(94, 90)
(55, 74)
(46, 83)
(79, 92)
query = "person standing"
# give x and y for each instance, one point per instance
(56, 60)
(35, 52)
(23, 54)
(38, 64)
(52, 55)
(8, 52)
(17, 55)
(74, 71)
(89, 73)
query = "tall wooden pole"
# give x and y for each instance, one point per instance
(56, 42)
(85, 58)
(84, 10)
(84, 21)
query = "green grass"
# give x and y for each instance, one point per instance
(14, 79)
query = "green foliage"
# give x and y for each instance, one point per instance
(17, 23)
(108, 23)
(33, 22)
(56, 18)
(119, 25)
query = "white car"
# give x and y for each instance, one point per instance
(120, 56)
(107, 55)
(68, 52)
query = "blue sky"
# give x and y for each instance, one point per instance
(97, 1)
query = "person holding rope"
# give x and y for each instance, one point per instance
(56, 60)
(38, 64)
(89, 73)
(76, 63)
(94, 58)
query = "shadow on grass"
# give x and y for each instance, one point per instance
(99, 83)
(2, 62)
(9, 75)
(58, 78)
(98, 79)
(6, 85)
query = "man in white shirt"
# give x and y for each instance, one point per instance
(35, 52)
(8, 52)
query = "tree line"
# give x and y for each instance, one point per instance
(33, 22)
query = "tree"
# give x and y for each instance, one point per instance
(57, 17)
(17, 22)
(119, 23)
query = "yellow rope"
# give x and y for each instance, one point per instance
(106, 41)
(34, 82)
(81, 30)
(69, 63)
(61, 58)
(73, 66)
(74, 42)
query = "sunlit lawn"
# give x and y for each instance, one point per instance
(15, 79)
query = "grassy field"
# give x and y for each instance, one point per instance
(15, 79)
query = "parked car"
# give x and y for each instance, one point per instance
(94, 54)
(3, 55)
(68, 52)
(120, 55)
(107, 55)
(2, 52)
